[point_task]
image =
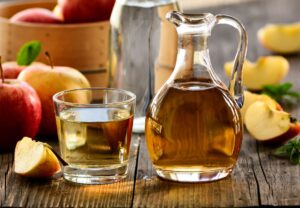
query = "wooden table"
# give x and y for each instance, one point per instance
(258, 179)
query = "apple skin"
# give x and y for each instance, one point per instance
(293, 131)
(36, 15)
(11, 69)
(79, 11)
(20, 113)
(47, 81)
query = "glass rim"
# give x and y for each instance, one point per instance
(117, 103)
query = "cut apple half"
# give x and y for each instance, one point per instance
(264, 122)
(284, 38)
(267, 70)
(250, 98)
(34, 159)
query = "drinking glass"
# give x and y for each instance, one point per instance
(94, 128)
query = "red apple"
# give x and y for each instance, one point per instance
(36, 15)
(47, 81)
(77, 11)
(12, 70)
(20, 112)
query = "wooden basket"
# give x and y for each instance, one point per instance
(82, 46)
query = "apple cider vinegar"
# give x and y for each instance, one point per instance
(186, 132)
(95, 137)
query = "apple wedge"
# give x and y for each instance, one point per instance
(266, 71)
(250, 98)
(283, 38)
(265, 123)
(35, 159)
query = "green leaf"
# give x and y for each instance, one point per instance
(295, 159)
(28, 53)
(290, 150)
(282, 151)
(285, 87)
(282, 93)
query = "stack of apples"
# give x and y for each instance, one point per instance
(68, 11)
(263, 117)
(26, 106)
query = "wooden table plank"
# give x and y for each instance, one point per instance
(238, 190)
(22, 192)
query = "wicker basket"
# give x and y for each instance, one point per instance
(82, 46)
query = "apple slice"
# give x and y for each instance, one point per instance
(265, 123)
(250, 98)
(35, 159)
(267, 70)
(283, 38)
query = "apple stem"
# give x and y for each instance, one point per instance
(49, 59)
(1, 70)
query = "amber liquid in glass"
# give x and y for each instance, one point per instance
(95, 137)
(194, 127)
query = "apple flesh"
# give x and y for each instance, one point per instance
(283, 38)
(20, 113)
(250, 98)
(267, 70)
(36, 15)
(11, 69)
(265, 123)
(35, 159)
(47, 81)
(79, 11)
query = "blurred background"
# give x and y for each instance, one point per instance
(192, 4)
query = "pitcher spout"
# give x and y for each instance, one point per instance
(200, 24)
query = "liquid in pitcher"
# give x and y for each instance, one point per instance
(194, 127)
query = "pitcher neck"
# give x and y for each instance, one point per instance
(193, 62)
(192, 42)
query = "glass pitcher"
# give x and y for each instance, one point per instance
(194, 127)
(143, 47)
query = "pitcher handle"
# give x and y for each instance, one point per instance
(235, 85)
